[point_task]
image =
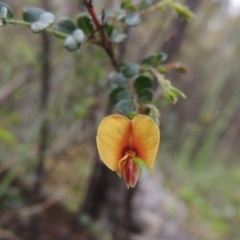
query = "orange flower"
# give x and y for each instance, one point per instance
(124, 145)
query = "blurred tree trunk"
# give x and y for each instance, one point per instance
(44, 128)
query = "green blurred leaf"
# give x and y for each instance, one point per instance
(113, 95)
(141, 83)
(154, 59)
(145, 4)
(128, 5)
(132, 115)
(170, 92)
(38, 17)
(109, 29)
(183, 12)
(132, 19)
(129, 69)
(182, 69)
(125, 107)
(7, 137)
(153, 113)
(71, 44)
(161, 69)
(120, 78)
(145, 95)
(113, 34)
(119, 94)
(65, 25)
(141, 163)
(84, 22)
(32, 14)
(117, 37)
(5, 13)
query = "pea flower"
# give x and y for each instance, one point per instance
(125, 145)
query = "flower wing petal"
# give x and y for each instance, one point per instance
(112, 138)
(146, 138)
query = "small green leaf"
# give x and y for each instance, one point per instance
(155, 59)
(5, 13)
(120, 78)
(9, 14)
(113, 95)
(113, 34)
(182, 69)
(117, 78)
(183, 12)
(120, 14)
(141, 163)
(161, 69)
(78, 35)
(117, 37)
(128, 5)
(84, 22)
(39, 18)
(141, 83)
(145, 95)
(132, 19)
(109, 29)
(32, 14)
(153, 113)
(132, 115)
(129, 69)
(119, 94)
(71, 44)
(170, 92)
(145, 4)
(7, 137)
(65, 25)
(125, 107)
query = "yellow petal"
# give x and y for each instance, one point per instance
(145, 138)
(112, 139)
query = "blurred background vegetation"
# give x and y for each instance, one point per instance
(200, 136)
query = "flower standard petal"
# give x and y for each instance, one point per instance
(112, 139)
(145, 137)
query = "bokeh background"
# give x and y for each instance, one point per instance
(198, 161)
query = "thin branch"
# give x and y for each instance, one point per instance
(105, 42)
(27, 24)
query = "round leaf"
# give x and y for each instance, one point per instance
(65, 25)
(155, 59)
(141, 83)
(71, 44)
(129, 69)
(145, 96)
(125, 107)
(84, 22)
(117, 37)
(32, 14)
(119, 94)
(9, 14)
(132, 19)
(47, 18)
(78, 35)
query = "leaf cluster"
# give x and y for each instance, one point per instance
(131, 84)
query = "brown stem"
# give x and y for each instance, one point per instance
(105, 42)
